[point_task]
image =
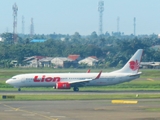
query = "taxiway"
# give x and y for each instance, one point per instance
(145, 109)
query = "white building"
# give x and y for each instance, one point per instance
(60, 61)
(90, 61)
(1, 40)
(45, 62)
(154, 65)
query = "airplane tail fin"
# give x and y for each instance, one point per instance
(132, 66)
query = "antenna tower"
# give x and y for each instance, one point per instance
(100, 9)
(134, 26)
(15, 9)
(23, 25)
(32, 28)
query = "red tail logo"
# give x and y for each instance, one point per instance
(134, 65)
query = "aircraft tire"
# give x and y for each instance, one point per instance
(76, 89)
(19, 89)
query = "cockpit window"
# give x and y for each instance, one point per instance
(14, 78)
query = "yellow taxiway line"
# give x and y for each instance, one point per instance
(124, 101)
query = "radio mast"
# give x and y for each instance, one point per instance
(134, 26)
(15, 9)
(32, 28)
(23, 25)
(101, 9)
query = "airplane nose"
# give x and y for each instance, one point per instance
(8, 81)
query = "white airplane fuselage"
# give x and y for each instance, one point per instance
(50, 79)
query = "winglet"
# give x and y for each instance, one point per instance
(98, 76)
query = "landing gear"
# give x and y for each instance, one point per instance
(76, 89)
(19, 89)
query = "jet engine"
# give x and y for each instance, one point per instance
(63, 85)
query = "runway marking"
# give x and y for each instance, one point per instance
(58, 116)
(29, 112)
(16, 109)
(8, 110)
(124, 101)
(100, 109)
(43, 112)
(150, 79)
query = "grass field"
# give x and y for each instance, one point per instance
(149, 80)
(82, 97)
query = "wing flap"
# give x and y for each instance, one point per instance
(85, 80)
(80, 81)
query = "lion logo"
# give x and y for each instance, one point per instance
(134, 65)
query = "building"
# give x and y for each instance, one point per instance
(32, 61)
(89, 61)
(146, 65)
(37, 40)
(75, 58)
(1, 40)
(60, 62)
(45, 62)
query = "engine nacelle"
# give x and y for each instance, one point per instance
(63, 85)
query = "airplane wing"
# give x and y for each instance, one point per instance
(82, 82)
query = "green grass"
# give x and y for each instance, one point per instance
(153, 109)
(81, 97)
(149, 80)
(7, 73)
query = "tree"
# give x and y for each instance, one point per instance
(7, 37)
(94, 35)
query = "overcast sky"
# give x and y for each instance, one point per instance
(70, 16)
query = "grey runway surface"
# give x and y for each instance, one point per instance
(76, 93)
(146, 109)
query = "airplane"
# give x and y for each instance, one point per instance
(128, 72)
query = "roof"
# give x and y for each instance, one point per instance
(46, 59)
(94, 57)
(62, 58)
(88, 59)
(38, 40)
(73, 57)
(33, 57)
(150, 63)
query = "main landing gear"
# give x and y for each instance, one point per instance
(19, 89)
(76, 89)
